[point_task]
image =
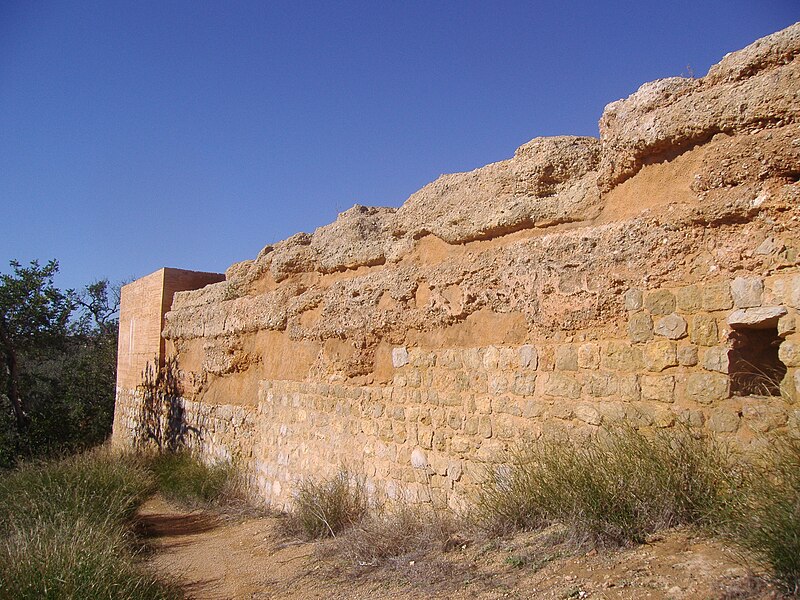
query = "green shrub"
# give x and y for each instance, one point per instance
(766, 519)
(64, 529)
(183, 478)
(324, 508)
(617, 489)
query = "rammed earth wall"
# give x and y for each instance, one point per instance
(651, 277)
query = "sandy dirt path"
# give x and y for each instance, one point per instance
(220, 559)
(215, 559)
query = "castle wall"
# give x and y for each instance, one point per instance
(448, 413)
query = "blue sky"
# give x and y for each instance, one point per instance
(142, 134)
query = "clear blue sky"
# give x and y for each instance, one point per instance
(141, 134)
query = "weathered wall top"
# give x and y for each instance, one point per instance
(548, 239)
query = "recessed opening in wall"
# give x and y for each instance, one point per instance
(755, 369)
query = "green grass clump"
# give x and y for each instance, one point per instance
(64, 529)
(617, 489)
(766, 518)
(324, 508)
(183, 478)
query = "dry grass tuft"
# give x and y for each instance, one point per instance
(325, 508)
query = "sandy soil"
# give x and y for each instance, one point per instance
(249, 558)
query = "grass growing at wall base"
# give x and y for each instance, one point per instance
(183, 478)
(326, 507)
(765, 519)
(615, 490)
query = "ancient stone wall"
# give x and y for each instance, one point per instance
(651, 277)
(447, 413)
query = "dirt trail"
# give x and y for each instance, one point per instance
(215, 559)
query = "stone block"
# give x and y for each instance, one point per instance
(589, 356)
(716, 359)
(508, 358)
(504, 427)
(756, 318)
(658, 387)
(547, 358)
(787, 290)
(640, 327)
(454, 470)
(399, 357)
(602, 385)
(471, 426)
(746, 291)
(507, 405)
(561, 411)
(524, 385)
(498, 383)
(663, 417)
(563, 386)
(621, 356)
(628, 387)
(706, 388)
(633, 299)
(491, 451)
(425, 438)
(455, 419)
(566, 358)
(687, 355)
(473, 358)
(491, 358)
(717, 296)
(588, 414)
(724, 420)
(421, 358)
(690, 417)
(659, 302)
(789, 353)
(659, 355)
(460, 445)
(532, 409)
(689, 299)
(672, 326)
(419, 460)
(485, 427)
(528, 357)
(786, 325)
(704, 331)
(613, 411)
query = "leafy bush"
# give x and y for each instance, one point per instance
(64, 529)
(324, 508)
(616, 490)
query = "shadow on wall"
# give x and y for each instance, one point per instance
(161, 413)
